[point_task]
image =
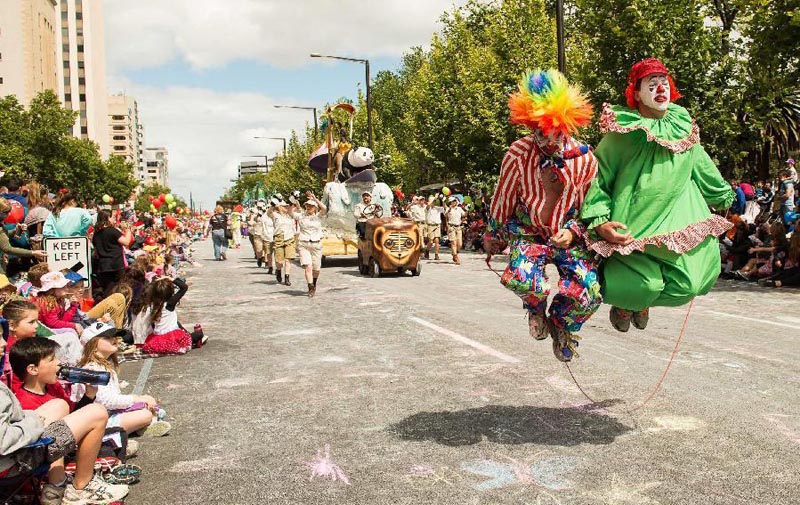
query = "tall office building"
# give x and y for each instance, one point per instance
(156, 165)
(82, 74)
(28, 58)
(124, 129)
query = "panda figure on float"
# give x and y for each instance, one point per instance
(355, 174)
(355, 165)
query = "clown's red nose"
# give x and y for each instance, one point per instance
(660, 88)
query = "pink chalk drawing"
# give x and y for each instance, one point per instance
(323, 466)
(421, 470)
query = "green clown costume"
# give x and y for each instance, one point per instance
(656, 178)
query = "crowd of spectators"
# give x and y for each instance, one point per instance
(764, 244)
(83, 427)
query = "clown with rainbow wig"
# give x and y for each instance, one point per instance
(543, 180)
(648, 209)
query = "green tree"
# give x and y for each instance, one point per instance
(35, 144)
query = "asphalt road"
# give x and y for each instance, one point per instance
(428, 390)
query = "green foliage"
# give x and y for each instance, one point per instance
(35, 144)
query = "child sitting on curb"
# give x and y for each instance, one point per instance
(133, 413)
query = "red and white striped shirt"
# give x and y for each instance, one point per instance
(521, 182)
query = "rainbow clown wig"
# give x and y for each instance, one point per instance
(548, 103)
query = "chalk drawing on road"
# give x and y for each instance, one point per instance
(676, 423)
(332, 359)
(780, 421)
(234, 382)
(323, 466)
(549, 473)
(442, 474)
(617, 492)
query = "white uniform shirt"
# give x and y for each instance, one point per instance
(418, 213)
(284, 225)
(310, 227)
(434, 215)
(455, 215)
(267, 226)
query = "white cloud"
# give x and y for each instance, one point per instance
(207, 133)
(208, 33)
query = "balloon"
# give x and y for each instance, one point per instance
(16, 214)
(110, 199)
(150, 198)
(172, 204)
(179, 209)
(467, 199)
(170, 222)
(106, 199)
(205, 212)
(152, 207)
(169, 198)
(238, 208)
(162, 197)
(446, 191)
(158, 204)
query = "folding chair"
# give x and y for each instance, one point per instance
(24, 488)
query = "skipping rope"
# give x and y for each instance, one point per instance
(660, 382)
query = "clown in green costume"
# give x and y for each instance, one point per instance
(648, 209)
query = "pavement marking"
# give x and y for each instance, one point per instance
(468, 341)
(144, 373)
(764, 321)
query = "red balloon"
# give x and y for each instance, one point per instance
(16, 214)
(162, 197)
(178, 210)
(170, 222)
(157, 204)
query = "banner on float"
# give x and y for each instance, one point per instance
(68, 252)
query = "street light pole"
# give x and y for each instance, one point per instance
(314, 109)
(369, 108)
(369, 101)
(276, 138)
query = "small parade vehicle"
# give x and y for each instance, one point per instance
(390, 244)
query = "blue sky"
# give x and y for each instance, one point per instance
(315, 84)
(206, 73)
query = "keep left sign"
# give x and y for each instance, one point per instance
(68, 252)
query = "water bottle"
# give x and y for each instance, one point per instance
(77, 375)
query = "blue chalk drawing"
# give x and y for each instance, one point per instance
(548, 473)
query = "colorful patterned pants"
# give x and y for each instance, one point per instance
(578, 286)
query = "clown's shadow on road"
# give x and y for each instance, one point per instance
(512, 425)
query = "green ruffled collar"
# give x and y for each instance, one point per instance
(676, 131)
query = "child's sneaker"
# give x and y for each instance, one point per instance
(52, 495)
(156, 429)
(96, 492)
(123, 474)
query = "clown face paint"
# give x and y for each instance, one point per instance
(654, 92)
(550, 143)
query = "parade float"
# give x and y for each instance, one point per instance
(349, 172)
